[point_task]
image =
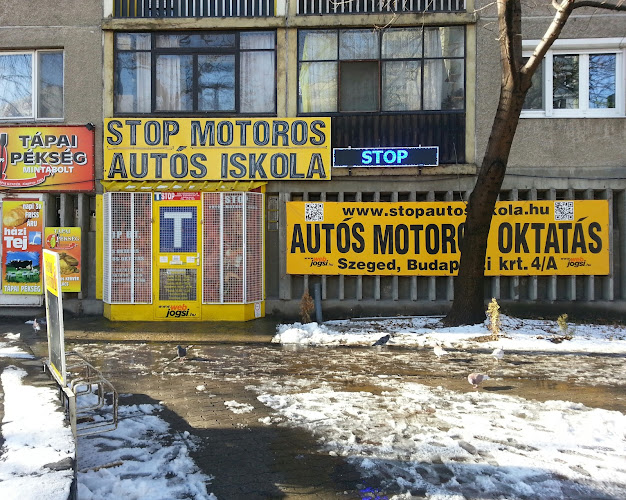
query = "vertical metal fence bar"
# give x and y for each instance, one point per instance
(514, 291)
(359, 279)
(552, 280)
(323, 277)
(285, 279)
(432, 280)
(495, 281)
(571, 280)
(342, 279)
(532, 280)
(590, 285)
(413, 198)
(609, 282)
(620, 213)
(450, 279)
(377, 277)
(395, 295)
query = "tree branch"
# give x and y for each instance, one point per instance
(619, 6)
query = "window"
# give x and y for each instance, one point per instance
(31, 85)
(195, 73)
(578, 78)
(392, 70)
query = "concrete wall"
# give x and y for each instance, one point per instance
(561, 145)
(75, 27)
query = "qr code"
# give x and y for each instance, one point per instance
(314, 212)
(563, 210)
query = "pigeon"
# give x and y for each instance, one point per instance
(181, 351)
(36, 326)
(498, 353)
(477, 378)
(383, 340)
(439, 351)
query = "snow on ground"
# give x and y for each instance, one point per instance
(8, 349)
(406, 438)
(427, 331)
(445, 444)
(29, 446)
(453, 445)
(141, 459)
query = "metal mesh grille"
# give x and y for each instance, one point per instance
(128, 248)
(177, 284)
(211, 248)
(232, 247)
(142, 261)
(254, 247)
(233, 234)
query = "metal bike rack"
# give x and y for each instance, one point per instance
(90, 399)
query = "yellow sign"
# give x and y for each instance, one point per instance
(411, 238)
(51, 272)
(186, 149)
(66, 242)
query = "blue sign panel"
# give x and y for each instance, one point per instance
(178, 229)
(386, 157)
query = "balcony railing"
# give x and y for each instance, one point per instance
(192, 8)
(265, 8)
(446, 130)
(378, 6)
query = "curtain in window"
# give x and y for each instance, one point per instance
(258, 89)
(402, 82)
(317, 85)
(433, 70)
(174, 79)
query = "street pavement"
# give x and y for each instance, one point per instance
(247, 458)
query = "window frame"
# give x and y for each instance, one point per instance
(583, 47)
(381, 63)
(34, 68)
(195, 53)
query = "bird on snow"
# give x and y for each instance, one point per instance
(498, 353)
(36, 326)
(439, 351)
(477, 378)
(182, 352)
(383, 340)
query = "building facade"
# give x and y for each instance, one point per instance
(50, 123)
(252, 150)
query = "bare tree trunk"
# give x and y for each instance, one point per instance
(468, 306)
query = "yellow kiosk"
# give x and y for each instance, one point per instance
(183, 221)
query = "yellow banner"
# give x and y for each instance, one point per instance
(66, 242)
(186, 149)
(51, 272)
(422, 239)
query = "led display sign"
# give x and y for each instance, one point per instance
(386, 157)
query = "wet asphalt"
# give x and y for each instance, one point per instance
(251, 460)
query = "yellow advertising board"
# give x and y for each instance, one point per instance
(22, 227)
(66, 242)
(422, 238)
(186, 149)
(51, 272)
